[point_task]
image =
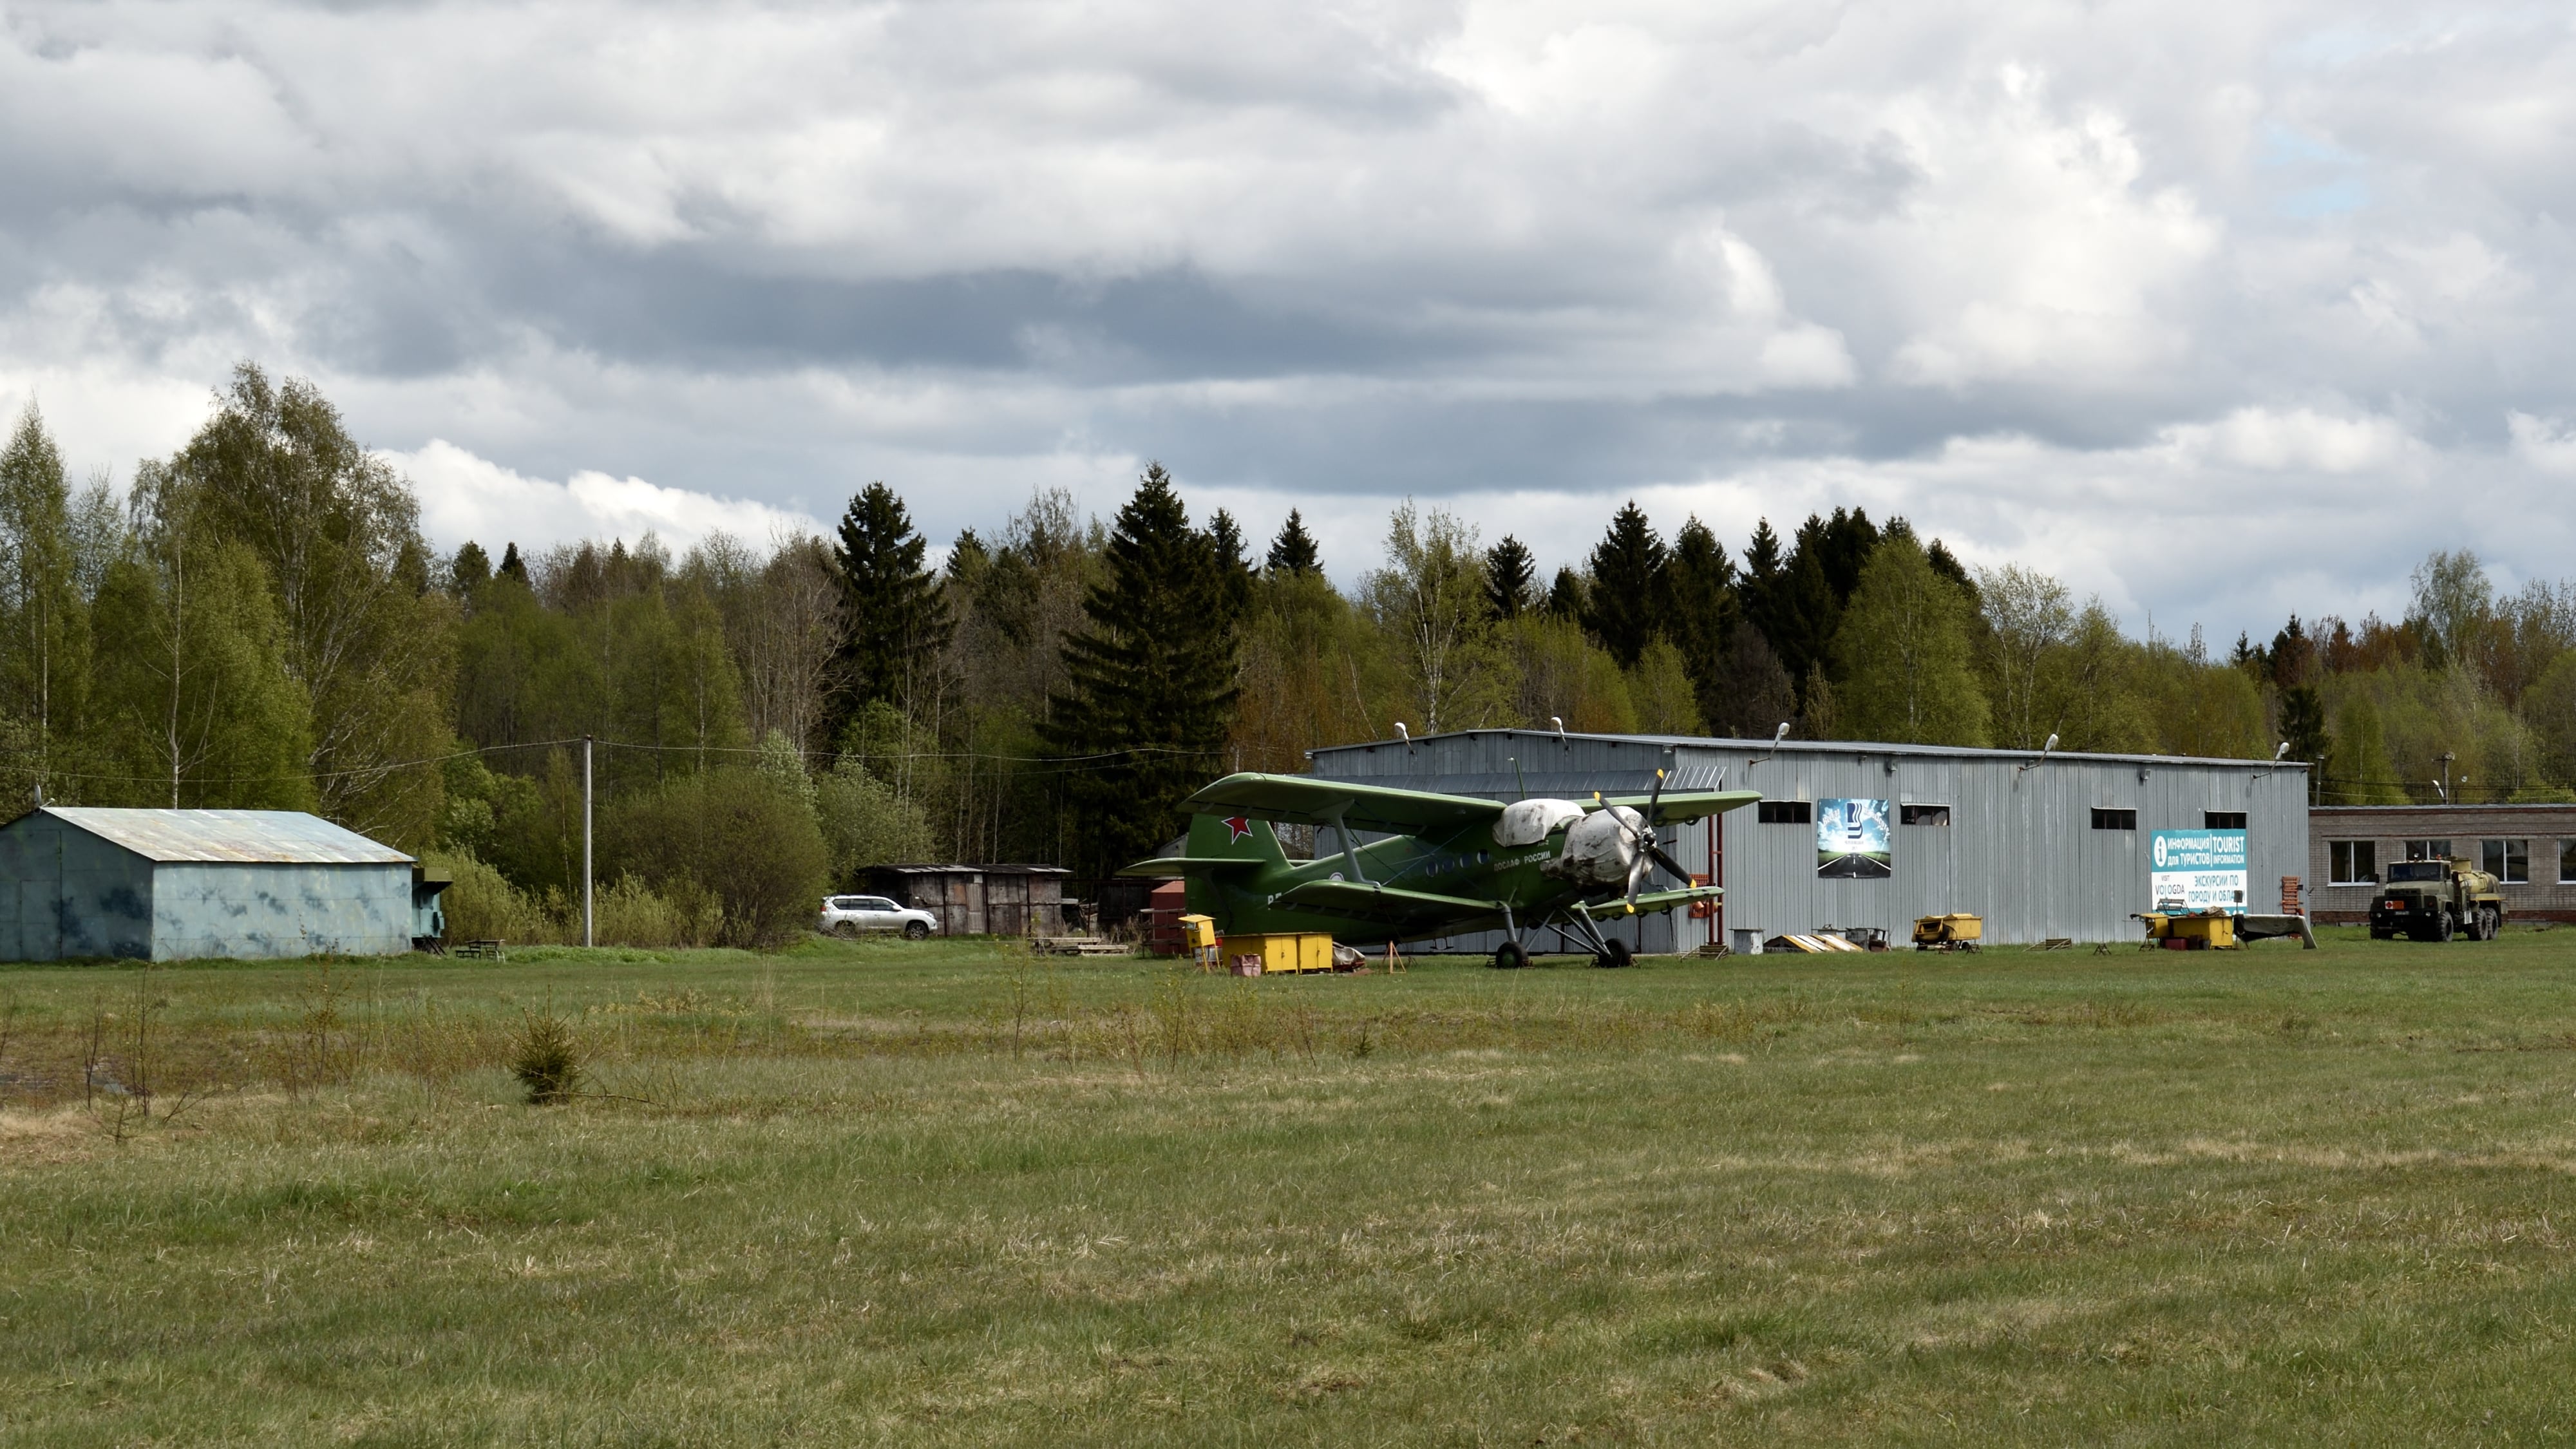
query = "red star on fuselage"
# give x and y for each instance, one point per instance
(1240, 825)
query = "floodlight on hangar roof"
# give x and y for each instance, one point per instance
(240, 837)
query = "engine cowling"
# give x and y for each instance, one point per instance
(1601, 849)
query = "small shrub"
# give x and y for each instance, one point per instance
(546, 1061)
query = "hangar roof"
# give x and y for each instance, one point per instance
(243, 837)
(1815, 747)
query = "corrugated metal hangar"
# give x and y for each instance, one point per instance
(165, 885)
(1853, 834)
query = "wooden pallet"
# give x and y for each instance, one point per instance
(1078, 946)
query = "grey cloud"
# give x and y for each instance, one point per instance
(1968, 264)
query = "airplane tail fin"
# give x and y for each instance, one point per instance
(1214, 837)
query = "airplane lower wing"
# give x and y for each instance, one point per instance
(1384, 903)
(1652, 901)
(1184, 865)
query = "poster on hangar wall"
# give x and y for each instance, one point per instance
(1851, 840)
(2197, 870)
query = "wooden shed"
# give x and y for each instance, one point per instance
(977, 900)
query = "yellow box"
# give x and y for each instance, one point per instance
(1197, 932)
(1301, 951)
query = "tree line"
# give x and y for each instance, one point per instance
(259, 622)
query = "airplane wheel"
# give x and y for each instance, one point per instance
(1510, 957)
(1613, 956)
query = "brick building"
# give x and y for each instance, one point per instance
(2530, 848)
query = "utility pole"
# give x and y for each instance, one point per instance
(2447, 758)
(589, 917)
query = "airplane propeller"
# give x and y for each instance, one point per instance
(1650, 852)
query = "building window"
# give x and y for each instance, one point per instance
(2352, 862)
(2114, 819)
(1785, 812)
(1922, 814)
(2428, 850)
(2507, 860)
(2567, 862)
(2222, 820)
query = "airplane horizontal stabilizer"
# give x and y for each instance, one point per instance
(1172, 865)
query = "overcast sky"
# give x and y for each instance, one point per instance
(2221, 309)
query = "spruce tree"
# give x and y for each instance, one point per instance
(1703, 613)
(2303, 728)
(1802, 610)
(512, 566)
(1233, 565)
(893, 615)
(1511, 577)
(471, 569)
(1628, 600)
(1293, 551)
(1842, 544)
(1150, 678)
(1565, 597)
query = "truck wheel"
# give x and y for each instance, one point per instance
(2446, 928)
(1510, 957)
(914, 930)
(2490, 924)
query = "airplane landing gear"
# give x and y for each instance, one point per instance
(1613, 955)
(1510, 957)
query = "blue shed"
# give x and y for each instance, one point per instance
(164, 885)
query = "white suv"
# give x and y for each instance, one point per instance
(849, 915)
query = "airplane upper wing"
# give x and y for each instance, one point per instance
(1681, 804)
(1305, 800)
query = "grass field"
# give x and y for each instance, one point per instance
(944, 1194)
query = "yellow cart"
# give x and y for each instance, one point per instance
(2196, 931)
(1957, 931)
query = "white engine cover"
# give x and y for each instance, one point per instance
(1527, 822)
(1598, 852)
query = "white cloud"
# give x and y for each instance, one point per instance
(464, 497)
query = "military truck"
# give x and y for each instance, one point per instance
(2433, 900)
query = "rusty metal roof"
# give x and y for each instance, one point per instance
(248, 837)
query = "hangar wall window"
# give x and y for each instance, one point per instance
(1785, 812)
(1922, 814)
(2507, 860)
(2114, 819)
(2428, 850)
(2567, 862)
(2352, 862)
(2222, 820)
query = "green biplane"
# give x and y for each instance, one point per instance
(1446, 864)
